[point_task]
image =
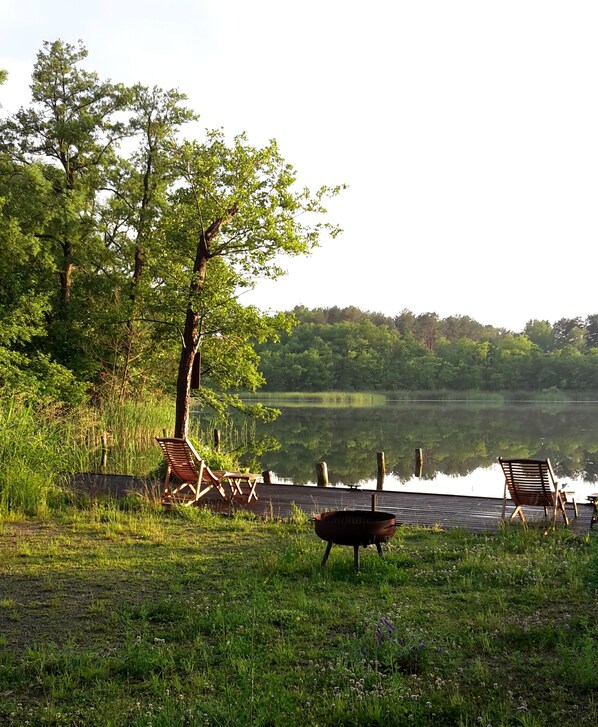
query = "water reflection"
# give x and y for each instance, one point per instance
(461, 443)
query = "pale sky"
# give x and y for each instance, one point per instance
(467, 131)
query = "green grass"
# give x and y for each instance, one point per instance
(328, 399)
(130, 617)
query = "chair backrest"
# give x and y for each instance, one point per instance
(530, 481)
(184, 462)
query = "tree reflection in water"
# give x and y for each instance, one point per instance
(458, 439)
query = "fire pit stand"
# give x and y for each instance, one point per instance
(356, 528)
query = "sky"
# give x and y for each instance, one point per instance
(466, 131)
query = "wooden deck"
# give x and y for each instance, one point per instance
(477, 514)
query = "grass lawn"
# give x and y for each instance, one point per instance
(130, 617)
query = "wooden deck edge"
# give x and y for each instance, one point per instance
(471, 512)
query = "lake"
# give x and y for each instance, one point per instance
(461, 442)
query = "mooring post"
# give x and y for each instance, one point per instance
(322, 474)
(419, 462)
(381, 471)
(267, 477)
(104, 460)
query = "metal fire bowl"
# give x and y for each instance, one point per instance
(355, 527)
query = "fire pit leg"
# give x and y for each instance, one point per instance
(327, 553)
(379, 547)
(356, 557)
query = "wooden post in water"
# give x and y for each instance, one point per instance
(104, 460)
(419, 462)
(217, 440)
(322, 474)
(267, 477)
(381, 471)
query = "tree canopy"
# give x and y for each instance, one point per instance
(126, 244)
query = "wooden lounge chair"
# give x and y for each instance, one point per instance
(196, 478)
(533, 482)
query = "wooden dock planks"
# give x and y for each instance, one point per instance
(477, 514)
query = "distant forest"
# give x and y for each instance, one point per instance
(347, 349)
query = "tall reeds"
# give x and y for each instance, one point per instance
(41, 448)
(37, 450)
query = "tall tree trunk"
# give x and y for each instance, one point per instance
(190, 341)
(183, 384)
(191, 330)
(66, 274)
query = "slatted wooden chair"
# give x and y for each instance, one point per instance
(195, 477)
(533, 482)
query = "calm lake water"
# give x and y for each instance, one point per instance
(461, 443)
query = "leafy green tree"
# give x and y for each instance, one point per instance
(71, 130)
(540, 332)
(405, 323)
(237, 204)
(24, 301)
(591, 326)
(129, 219)
(145, 240)
(565, 363)
(467, 363)
(426, 329)
(569, 332)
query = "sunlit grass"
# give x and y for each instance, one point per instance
(124, 615)
(328, 399)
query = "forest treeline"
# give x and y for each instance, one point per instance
(348, 349)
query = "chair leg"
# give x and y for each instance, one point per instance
(327, 553)
(218, 487)
(252, 492)
(560, 505)
(166, 493)
(573, 502)
(518, 511)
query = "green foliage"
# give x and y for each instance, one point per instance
(214, 459)
(117, 236)
(351, 350)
